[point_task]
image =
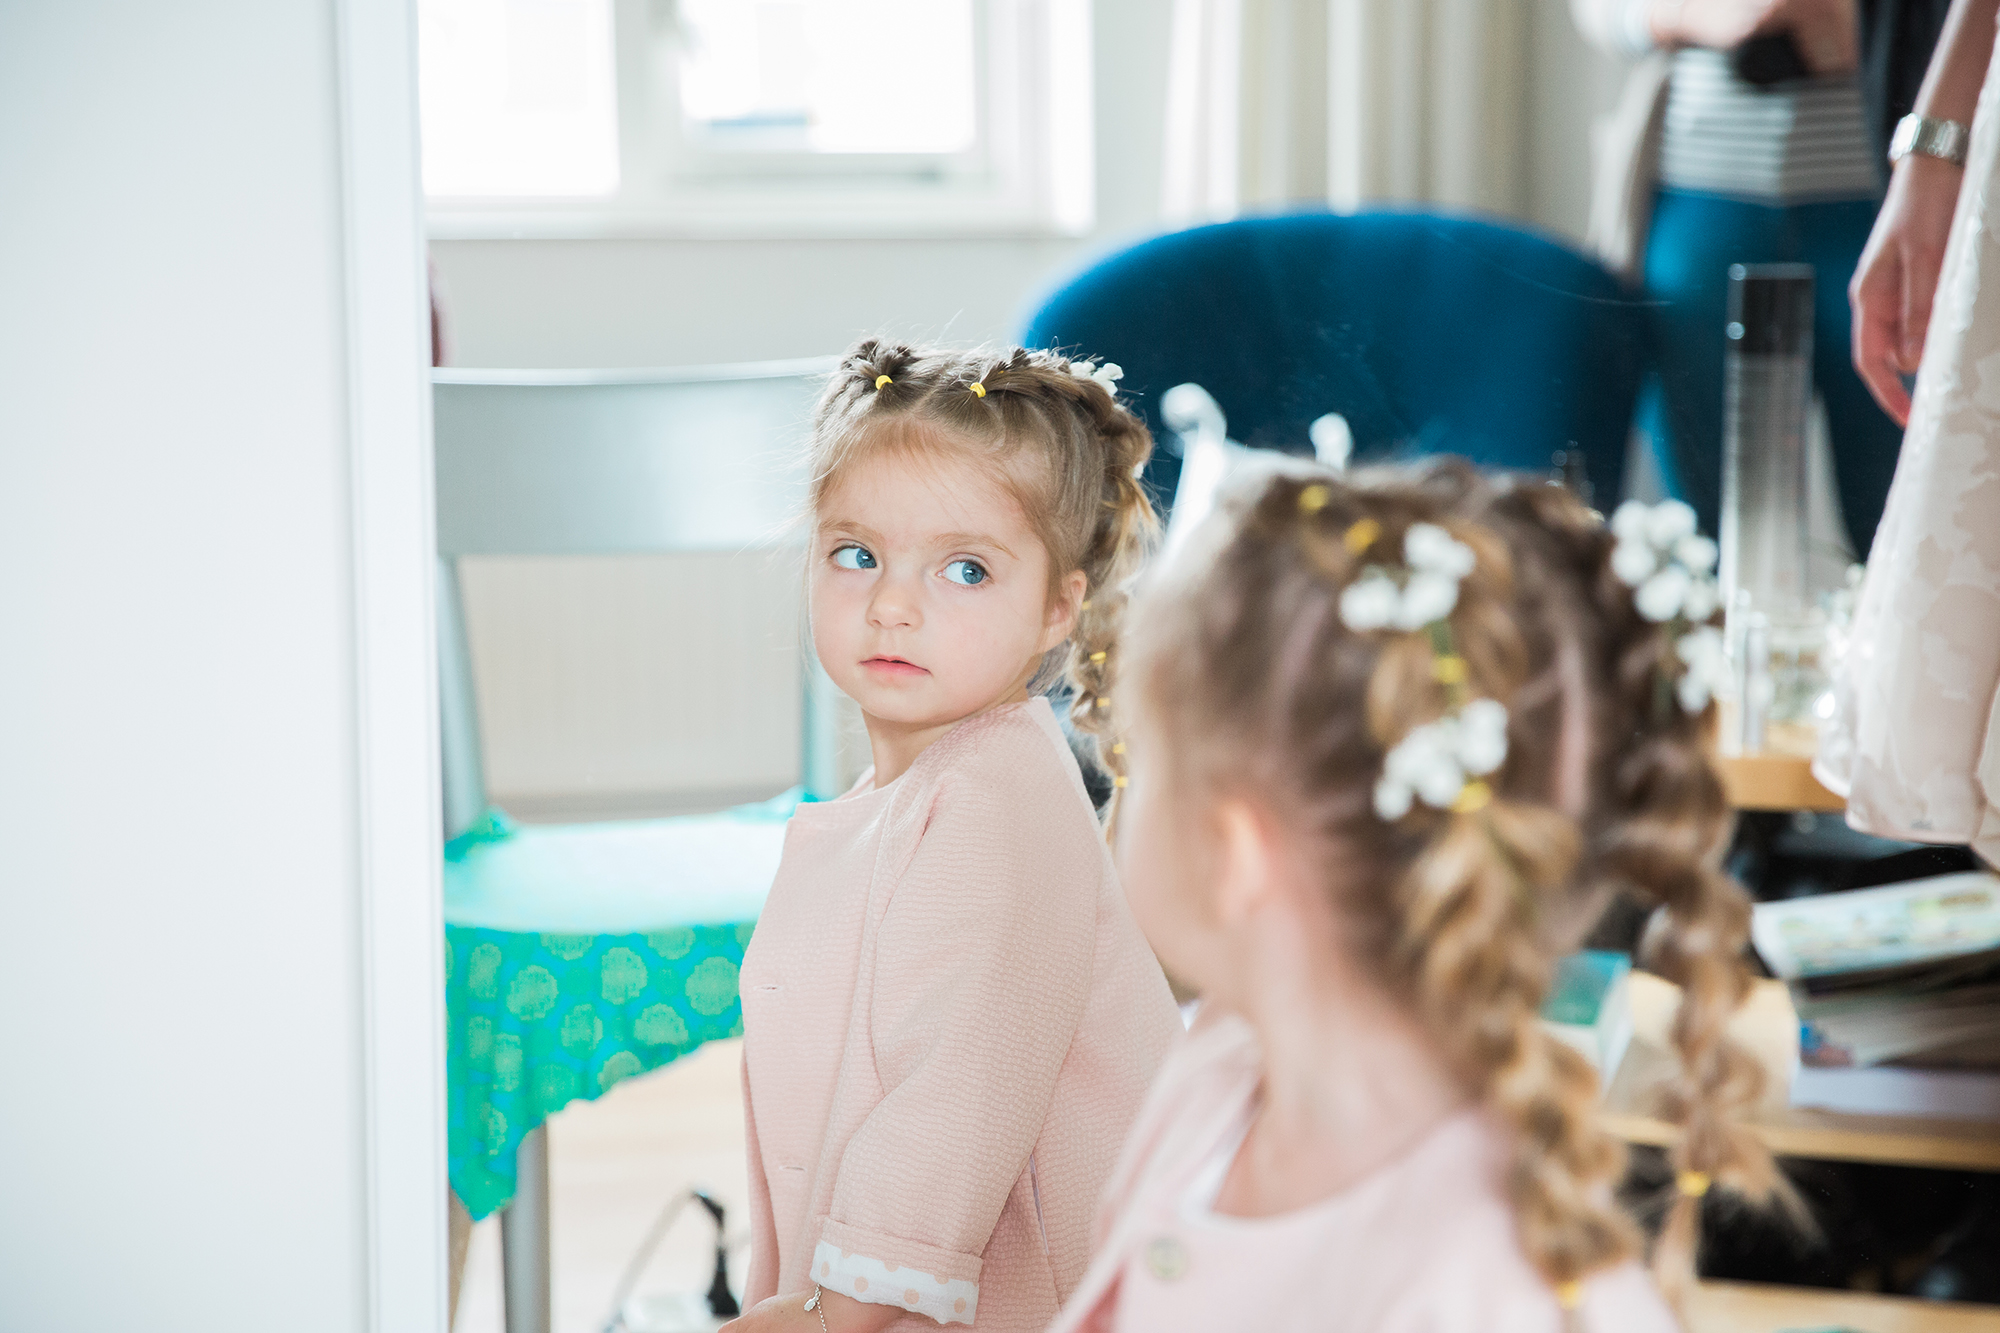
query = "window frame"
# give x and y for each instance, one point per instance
(1030, 174)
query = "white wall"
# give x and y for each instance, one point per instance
(182, 1141)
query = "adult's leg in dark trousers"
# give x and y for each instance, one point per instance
(1864, 440)
(1695, 238)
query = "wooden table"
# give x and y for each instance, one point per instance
(1774, 782)
(1748, 1307)
(1785, 782)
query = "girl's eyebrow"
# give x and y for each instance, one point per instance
(973, 539)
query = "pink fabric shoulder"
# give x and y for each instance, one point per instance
(950, 1021)
(1425, 1245)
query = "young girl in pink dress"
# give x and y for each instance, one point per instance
(950, 1015)
(1395, 740)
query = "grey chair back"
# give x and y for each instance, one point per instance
(609, 463)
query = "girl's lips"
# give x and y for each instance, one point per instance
(894, 666)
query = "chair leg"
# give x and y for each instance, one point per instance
(460, 1234)
(524, 1237)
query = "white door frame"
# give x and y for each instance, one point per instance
(394, 555)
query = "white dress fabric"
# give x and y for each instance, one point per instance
(1912, 746)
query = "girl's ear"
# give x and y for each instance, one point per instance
(1246, 878)
(1063, 608)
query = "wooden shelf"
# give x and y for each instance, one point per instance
(1774, 782)
(1966, 1145)
(1748, 1307)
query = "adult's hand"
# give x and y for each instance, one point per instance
(1898, 276)
(1827, 33)
(1720, 25)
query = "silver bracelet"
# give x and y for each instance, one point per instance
(814, 1304)
(1945, 140)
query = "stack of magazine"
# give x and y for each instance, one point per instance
(1898, 995)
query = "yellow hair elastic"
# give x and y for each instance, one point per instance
(1694, 1184)
(1362, 535)
(1097, 657)
(1083, 605)
(881, 380)
(1475, 796)
(1313, 498)
(978, 389)
(1118, 748)
(1448, 670)
(1121, 781)
(1569, 1295)
(1104, 701)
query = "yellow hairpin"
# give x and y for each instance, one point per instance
(1104, 701)
(1362, 535)
(1084, 605)
(1118, 748)
(1098, 656)
(1448, 670)
(1314, 497)
(1121, 781)
(881, 380)
(1569, 1295)
(1474, 796)
(1694, 1184)
(978, 389)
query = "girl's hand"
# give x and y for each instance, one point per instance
(1898, 275)
(788, 1314)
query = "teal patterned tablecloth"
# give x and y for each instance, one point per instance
(540, 1018)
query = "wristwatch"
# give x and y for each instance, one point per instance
(1943, 139)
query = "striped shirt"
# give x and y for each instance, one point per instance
(1790, 143)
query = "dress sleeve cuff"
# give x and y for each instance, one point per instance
(939, 1284)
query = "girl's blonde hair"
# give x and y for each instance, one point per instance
(1241, 655)
(1060, 441)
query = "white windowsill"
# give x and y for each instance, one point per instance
(736, 220)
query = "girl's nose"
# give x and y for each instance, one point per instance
(894, 604)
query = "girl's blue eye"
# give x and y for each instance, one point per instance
(967, 572)
(854, 557)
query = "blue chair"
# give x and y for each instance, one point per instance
(1428, 333)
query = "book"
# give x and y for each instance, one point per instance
(1915, 923)
(1589, 1008)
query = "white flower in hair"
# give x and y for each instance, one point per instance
(1437, 562)
(1436, 761)
(1107, 374)
(1370, 602)
(1669, 566)
(1707, 673)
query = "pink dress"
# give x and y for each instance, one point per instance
(1425, 1245)
(950, 1022)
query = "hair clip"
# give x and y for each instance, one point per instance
(978, 389)
(1360, 535)
(1569, 1295)
(1104, 701)
(1694, 1184)
(1098, 656)
(881, 380)
(1314, 498)
(1121, 781)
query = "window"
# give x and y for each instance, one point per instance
(755, 117)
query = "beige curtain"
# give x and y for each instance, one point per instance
(1348, 102)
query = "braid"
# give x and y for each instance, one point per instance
(1658, 827)
(1667, 827)
(1470, 946)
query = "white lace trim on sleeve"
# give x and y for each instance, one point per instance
(878, 1283)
